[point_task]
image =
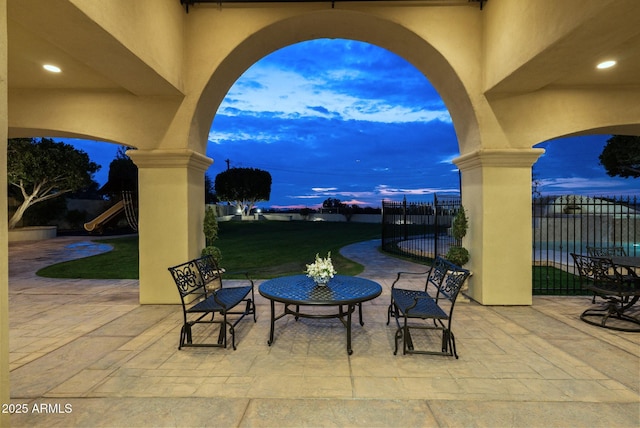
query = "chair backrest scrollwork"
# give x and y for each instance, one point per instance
(606, 251)
(599, 274)
(453, 281)
(437, 273)
(447, 278)
(208, 268)
(186, 277)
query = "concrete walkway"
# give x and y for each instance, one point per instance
(85, 353)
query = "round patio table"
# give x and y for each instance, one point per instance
(299, 290)
(628, 261)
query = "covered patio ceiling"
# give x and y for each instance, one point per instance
(38, 35)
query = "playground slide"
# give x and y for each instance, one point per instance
(104, 217)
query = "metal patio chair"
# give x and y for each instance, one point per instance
(617, 285)
(411, 306)
(604, 252)
(200, 298)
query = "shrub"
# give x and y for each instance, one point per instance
(457, 254)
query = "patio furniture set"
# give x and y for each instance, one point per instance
(201, 301)
(613, 278)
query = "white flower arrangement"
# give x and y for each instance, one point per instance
(321, 271)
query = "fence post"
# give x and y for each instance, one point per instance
(405, 230)
(435, 226)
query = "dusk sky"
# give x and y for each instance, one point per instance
(349, 120)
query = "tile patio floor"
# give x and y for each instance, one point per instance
(89, 345)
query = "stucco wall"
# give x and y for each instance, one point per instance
(4, 247)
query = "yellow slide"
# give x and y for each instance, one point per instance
(104, 217)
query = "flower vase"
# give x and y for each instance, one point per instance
(321, 282)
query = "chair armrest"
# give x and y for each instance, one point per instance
(240, 272)
(244, 273)
(407, 273)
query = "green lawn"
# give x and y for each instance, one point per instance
(265, 249)
(551, 281)
(121, 263)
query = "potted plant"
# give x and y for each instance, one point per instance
(210, 229)
(457, 254)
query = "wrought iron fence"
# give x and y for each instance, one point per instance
(419, 230)
(561, 225)
(569, 224)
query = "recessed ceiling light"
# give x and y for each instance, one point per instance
(606, 64)
(52, 68)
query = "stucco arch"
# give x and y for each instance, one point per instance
(344, 24)
(554, 113)
(445, 44)
(113, 117)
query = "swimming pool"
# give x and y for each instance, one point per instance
(561, 251)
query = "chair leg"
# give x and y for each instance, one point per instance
(452, 344)
(251, 308)
(398, 336)
(185, 335)
(222, 335)
(232, 331)
(399, 332)
(223, 331)
(406, 338)
(449, 343)
(613, 309)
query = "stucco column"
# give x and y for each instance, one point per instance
(171, 212)
(4, 233)
(496, 193)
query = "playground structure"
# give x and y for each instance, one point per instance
(126, 204)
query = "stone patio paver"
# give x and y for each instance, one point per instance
(116, 363)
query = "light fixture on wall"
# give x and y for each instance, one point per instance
(52, 68)
(606, 64)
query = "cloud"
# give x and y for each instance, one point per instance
(217, 137)
(303, 196)
(371, 197)
(448, 159)
(352, 121)
(389, 191)
(336, 158)
(383, 89)
(355, 202)
(319, 109)
(577, 183)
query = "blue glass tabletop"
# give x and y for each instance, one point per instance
(301, 290)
